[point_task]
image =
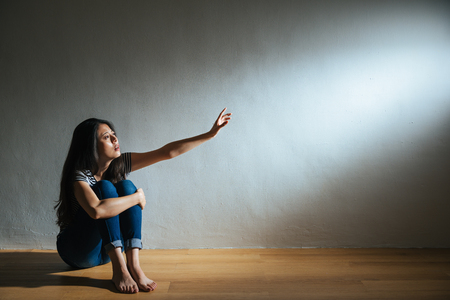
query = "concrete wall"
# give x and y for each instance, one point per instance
(340, 135)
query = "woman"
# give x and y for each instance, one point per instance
(99, 211)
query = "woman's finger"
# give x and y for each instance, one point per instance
(221, 113)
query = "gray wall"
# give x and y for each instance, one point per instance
(340, 135)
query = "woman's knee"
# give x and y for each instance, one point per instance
(105, 189)
(125, 187)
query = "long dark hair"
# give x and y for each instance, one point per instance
(83, 155)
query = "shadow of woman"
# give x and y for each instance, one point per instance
(30, 269)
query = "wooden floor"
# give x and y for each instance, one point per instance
(240, 274)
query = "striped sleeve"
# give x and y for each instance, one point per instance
(85, 176)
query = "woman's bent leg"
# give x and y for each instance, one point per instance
(112, 241)
(109, 228)
(131, 224)
(130, 219)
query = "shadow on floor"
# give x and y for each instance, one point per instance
(37, 269)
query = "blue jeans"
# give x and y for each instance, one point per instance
(86, 242)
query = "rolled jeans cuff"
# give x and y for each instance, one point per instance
(133, 243)
(113, 245)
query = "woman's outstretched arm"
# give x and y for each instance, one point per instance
(171, 150)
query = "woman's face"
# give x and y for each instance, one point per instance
(108, 144)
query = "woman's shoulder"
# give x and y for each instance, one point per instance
(86, 176)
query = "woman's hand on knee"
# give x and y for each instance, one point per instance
(142, 200)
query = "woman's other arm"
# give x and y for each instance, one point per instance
(174, 149)
(106, 208)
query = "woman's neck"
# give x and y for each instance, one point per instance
(101, 170)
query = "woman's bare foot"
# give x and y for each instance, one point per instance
(136, 272)
(124, 282)
(143, 282)
(121, 277)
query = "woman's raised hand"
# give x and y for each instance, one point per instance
(221, 121)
